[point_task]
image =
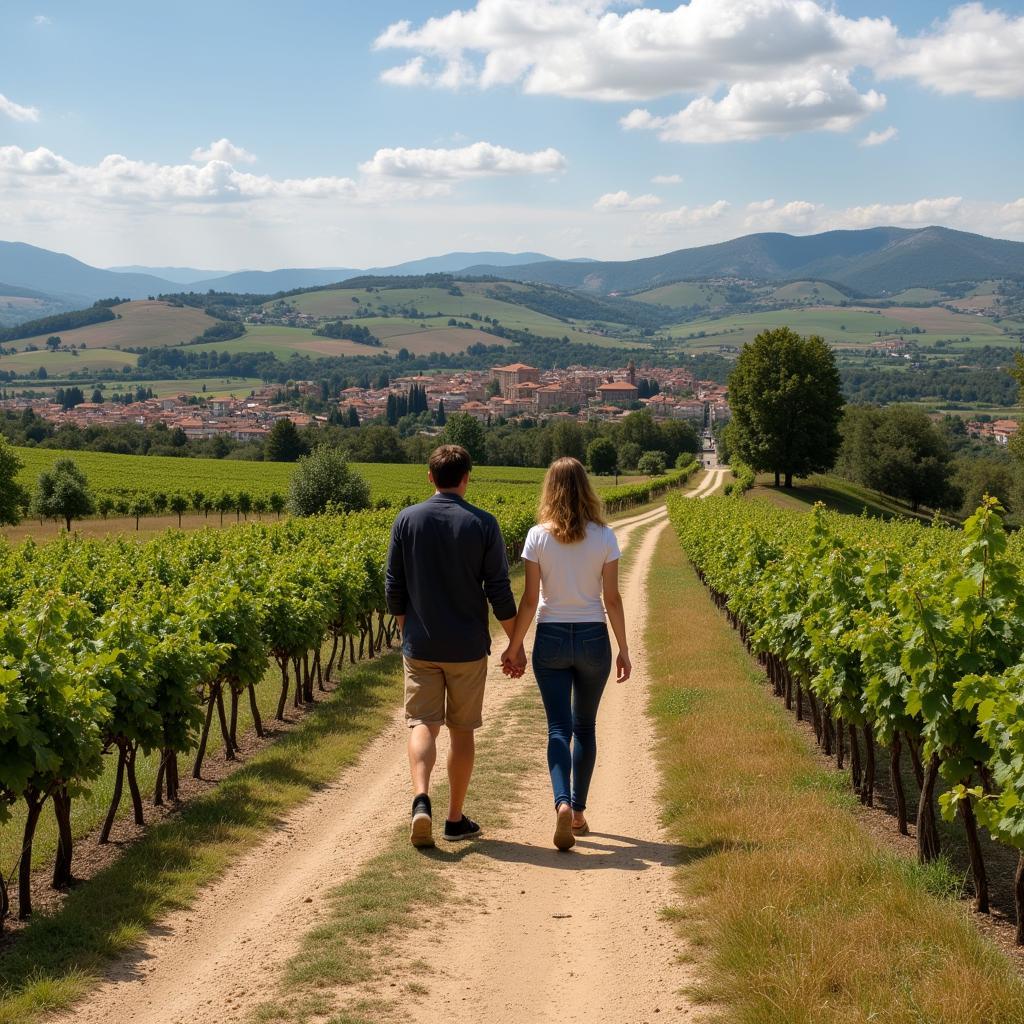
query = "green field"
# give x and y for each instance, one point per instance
(281, 342)
(847, 327)
(60, 364)
(436, 302)
(918, 295)
(142, 324)
(684, 293)
(807, 291)
(392, 481)
(215, 387)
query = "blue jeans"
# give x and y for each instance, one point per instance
(572, 662)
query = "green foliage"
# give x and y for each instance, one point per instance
(602, 457)
(323, 482)
(13, 497)
(786, 402)
(63, 493)
(284, 442)
(463, 429)
(652, 463)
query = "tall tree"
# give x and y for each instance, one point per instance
(463, 429)
(602, 458)
(63, 493)
(567, 439)
(786, 402)
(13, 497)
(284, 443)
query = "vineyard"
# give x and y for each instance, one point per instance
(112, 651)
(887, 633)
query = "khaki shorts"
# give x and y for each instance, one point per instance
(449, 692)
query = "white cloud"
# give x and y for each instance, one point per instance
(586, 49)
(16, 111)
(1013, 216)
(880, 138)
(42, 20)
(975, 50)
(225, 150)
(667, 179)
(922, 211)
(685, 217)
(410, 73)
(766, 215)
(752, 67)
(821, 100)
(481, 159)
(616, 201)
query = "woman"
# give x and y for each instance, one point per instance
(571, 559)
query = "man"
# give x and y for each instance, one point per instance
(446, 561)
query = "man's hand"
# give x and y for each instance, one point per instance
(513, 662)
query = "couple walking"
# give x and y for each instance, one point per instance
(446, 562)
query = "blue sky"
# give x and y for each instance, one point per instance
(356, 140)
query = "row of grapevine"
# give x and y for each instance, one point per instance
(619, 499)
(113, 648)
(893, 633)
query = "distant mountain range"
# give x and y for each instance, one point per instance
(77, 284)
(873, 261)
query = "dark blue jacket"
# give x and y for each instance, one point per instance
(446, 560)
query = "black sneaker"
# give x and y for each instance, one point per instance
(466, 828)
(421, 832)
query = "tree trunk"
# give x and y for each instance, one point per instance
(67, 520)
(233, 717)
(257, 721)
(927, 832)
(915, 760)
(789, 480)
(896, 781)
(1018, 898)
(34, 802)
(867, 792)
(115, 799)
(778, 478)
(330, 660)
(133, 785)
(856, 774)
(197, 768)
(62, 877)
(976, 858)
(283, 664)
(297, 673)
(158, 789)
(229, 747)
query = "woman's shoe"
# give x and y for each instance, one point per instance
(564, 839)
(581, 829)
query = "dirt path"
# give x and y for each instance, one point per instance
(574, 937)
(210, 963)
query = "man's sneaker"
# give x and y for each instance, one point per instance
(465, 828)
(422, 831)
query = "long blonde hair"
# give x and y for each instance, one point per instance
(568, 502)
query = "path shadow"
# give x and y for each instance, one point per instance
(594, 851)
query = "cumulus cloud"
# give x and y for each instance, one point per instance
(754, 67)
(922, 211)
(587, 49)
(974, 50)
(767, 215)
(614, 201)
(667, 179)
(16, 111)
(821, 100)
(880, 138)
(481, 159)
(42, 20)
(685, 217)
(225, 150)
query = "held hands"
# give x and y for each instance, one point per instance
(513, 662)
(623, 667)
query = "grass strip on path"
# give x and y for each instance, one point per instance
(797, 916)
(338, 972)
(57, 957)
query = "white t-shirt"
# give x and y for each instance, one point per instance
(570, 574)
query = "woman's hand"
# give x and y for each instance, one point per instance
(623, 667)
(513, 662)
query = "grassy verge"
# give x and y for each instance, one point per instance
(838, 494)
(57, 956)
(797, 915)
(338, 971)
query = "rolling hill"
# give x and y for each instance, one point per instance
(873, 261)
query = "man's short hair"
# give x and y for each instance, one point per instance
(448, 465)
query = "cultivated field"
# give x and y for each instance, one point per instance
(684, 293)
(58, 364)
(142, 324)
